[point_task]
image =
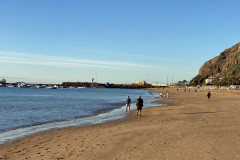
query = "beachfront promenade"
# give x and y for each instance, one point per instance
(189, 128)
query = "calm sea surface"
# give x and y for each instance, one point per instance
(24, 111)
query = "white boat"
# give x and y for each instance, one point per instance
(71, 87)
(55, 87)
(49, 87)
(81, 87)
(52, 87)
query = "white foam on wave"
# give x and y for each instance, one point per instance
(96, 119)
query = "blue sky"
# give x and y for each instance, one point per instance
(52, 41)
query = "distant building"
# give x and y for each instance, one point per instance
(141, 83)
(234, 87)
(159, 85)
(209, 80)
(3, 81)
(172, 84)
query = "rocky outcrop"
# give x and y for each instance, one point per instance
(227, 64)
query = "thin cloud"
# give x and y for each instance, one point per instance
(23, 58)
(154, 58)
(14, 77)
(48, 63)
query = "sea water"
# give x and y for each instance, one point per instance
(24, 111)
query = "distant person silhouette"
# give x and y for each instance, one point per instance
(209, 95)
(128, 104)
(139, 104)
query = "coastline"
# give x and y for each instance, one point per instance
(102, 113)
(100, 116)
(190, 127)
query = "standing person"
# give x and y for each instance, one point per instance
(167, 94)
(209, 95)
(139, 104)
(195, 91)
(161, 94)
(128, 104)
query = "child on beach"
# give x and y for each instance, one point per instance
(128, 104)
(161, 94)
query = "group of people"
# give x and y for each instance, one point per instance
(161, 94)
(195, 93)
(139, 102)
(139, 105)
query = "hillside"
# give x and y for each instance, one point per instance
(225, 67)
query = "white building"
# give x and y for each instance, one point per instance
(209, 80)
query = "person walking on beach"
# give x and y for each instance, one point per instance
(128, 104)
(209, 95)
(139, 104)
(167, 94)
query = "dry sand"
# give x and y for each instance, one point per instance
(189, 128)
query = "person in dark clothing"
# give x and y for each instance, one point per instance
(128, 104)
(195, 92)
(209, 95)
(139, 104)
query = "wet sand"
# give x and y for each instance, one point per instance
(190, 127)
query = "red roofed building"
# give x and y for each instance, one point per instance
(209, 80)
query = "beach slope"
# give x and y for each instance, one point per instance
(190, 127)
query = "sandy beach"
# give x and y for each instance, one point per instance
(191, 127)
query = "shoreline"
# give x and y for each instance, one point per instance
(190, 127)
(100, 116)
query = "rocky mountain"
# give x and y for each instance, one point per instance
(222, 67)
